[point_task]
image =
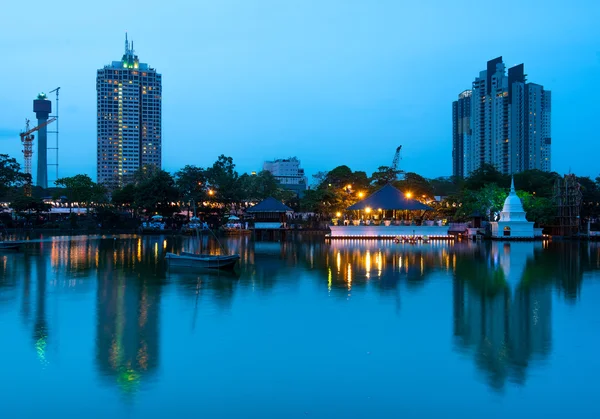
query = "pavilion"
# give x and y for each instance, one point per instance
(269, 214)
(388, 213)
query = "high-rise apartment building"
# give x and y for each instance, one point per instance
(461, 133)
(288, 174)
(509, 123)
(129, 118)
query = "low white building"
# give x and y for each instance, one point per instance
(288, 174)
(512, 223)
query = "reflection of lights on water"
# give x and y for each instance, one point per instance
(349, 276)
(400, 263)
(368, 263)
(422, 266)
(329, 279)
(40, 348)
(155, 249)
(165, 244)
(139, 250)
(379, 261)
(339, 261)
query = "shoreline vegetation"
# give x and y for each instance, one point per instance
(215, 192)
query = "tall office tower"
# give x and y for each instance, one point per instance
(288, 173)
(129, 119)
(461, 134)
(510, 122)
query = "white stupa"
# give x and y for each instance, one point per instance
(512, 224)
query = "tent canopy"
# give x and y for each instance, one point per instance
(269, 205)
(389, 198)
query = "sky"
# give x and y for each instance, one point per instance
(330, 81)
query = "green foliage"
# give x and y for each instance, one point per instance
(22, 203)
(124, 197)
(419, 187)
(223, 181)
(384, 175)
(590, 191)
(263, 185)
(191, 182)
(485, 175)
(487, 202)
(10, 174)
(336, 190)
(156, 193)
(536, 182)
(446, 186)
(540, 210)
(81, 189)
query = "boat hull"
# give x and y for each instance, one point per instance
(191, 260)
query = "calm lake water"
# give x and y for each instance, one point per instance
(94, 327)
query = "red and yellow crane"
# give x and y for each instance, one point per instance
(27, 140)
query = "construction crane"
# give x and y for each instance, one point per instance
(396, 161)
(27, 141)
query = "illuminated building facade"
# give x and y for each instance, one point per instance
(129, 95)
(509, 125)
(288, 174)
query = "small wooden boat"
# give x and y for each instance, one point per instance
(10, 245)
(193, 260)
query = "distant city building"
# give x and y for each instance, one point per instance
(509, 123)
(461, 133)
(288, 173)
(129, 118)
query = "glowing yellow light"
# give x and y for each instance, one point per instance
(408, 195)
(348, 186)
(211, 192)
(361, 194)
(368, 210)
(338, 214)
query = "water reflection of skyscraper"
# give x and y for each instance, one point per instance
(127, 331)
(505, 321)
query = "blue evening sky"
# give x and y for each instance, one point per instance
(329, 81)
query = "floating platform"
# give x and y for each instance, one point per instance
(391, 232)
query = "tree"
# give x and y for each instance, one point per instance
(384, 175)
(223, 181)
(540, 210)
(191, 181)
(537, 182)
(446, 186)
(157, 193)
(125, 196)
(336, 190)
(487, 201)
(263, 185)
(416, 185)
(485, 175)
(590, 191)
(11, 175)
(81, 189)
(22, 203)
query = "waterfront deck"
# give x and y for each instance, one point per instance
(389, 232)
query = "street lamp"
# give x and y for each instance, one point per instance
(368, 210)
(408, 195)
(338, 214)
(211, 192)
(361, 194)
